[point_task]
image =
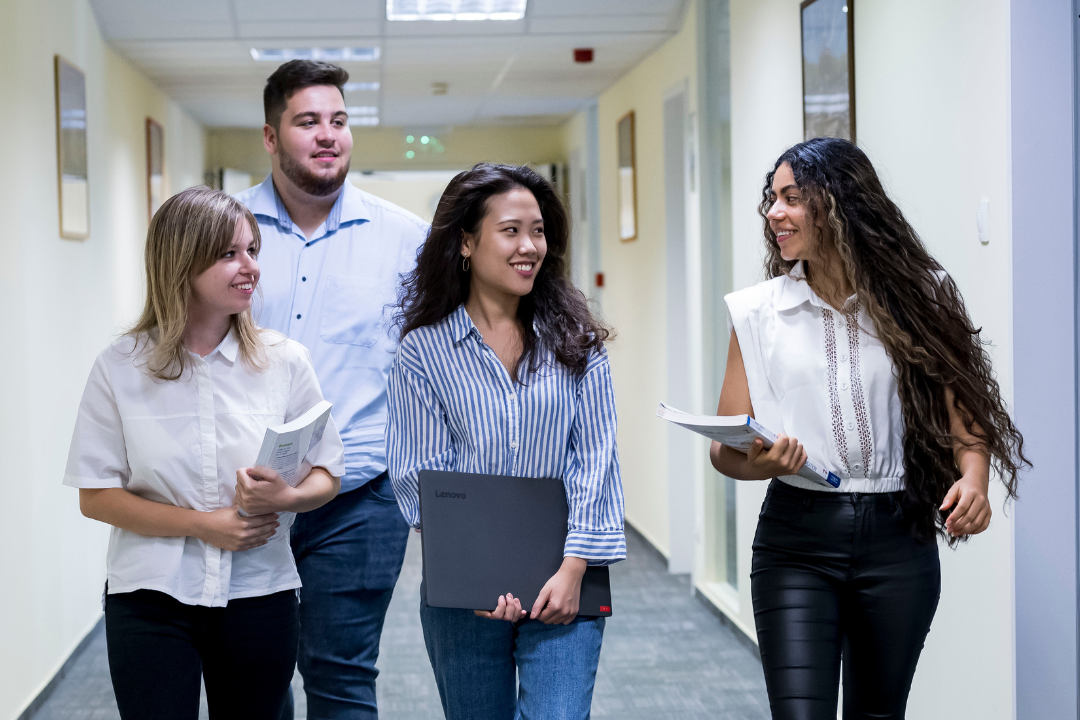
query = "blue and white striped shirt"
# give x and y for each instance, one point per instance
(453, 406)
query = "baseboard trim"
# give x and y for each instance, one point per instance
(50, 686)
(739, 633)
(653, 550)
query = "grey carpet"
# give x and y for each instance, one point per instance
(665, 656)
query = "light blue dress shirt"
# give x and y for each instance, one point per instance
(454, 407)
(335, 295)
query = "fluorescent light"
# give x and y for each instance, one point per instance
(348, 54)
(455, 9)
(358, 86)
(362, 110)
(364, 121)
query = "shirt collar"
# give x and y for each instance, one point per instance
(348, 208)
(798, 291)
(227, 348)
(461, 325)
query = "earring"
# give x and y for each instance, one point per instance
(465, 264)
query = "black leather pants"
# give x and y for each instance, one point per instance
(839, 574)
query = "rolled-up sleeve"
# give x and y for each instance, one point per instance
(593, 480)
(304, 393)
(97, 457)
(417, 434)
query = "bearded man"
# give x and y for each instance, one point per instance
(332, 257)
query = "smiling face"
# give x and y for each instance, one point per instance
(225, 288)
(788, 217)
(506, 253)
(312, 144)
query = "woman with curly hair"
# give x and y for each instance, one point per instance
(859, 346)
(502, 370)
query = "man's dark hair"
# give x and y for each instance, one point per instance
(297, 75)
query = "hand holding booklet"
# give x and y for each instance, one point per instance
(284, 447)
(739, 432)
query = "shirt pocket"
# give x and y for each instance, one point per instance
(354, 311)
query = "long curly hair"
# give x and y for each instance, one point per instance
(554, 317)
(918, 314)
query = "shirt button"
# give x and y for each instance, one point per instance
(513, 444)
(856, 466)
(850, 425)
(298, 317)
(840, 323)
(843, 385)
(307, 244)
(303, 279)
(843, 357)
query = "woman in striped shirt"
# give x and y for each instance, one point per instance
(502, 370)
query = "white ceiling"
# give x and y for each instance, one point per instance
(516, 72)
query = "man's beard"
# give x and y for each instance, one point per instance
(308, 181)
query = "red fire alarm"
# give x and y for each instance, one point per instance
(583, 55)
(599, 279)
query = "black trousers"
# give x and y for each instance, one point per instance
(159, 648)
(839, 574)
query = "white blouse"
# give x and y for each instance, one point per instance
(180, 442)
(822, 377)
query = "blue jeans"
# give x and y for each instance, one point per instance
(475, 662)
(349, 555)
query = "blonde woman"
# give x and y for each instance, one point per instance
(172, 415)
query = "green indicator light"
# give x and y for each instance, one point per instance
(424, 140)
(409, 138)
(410, 154)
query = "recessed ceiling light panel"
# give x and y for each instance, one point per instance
(355, 110)
(455, 9)
(358, 86)
(363, 121)
(348, 54)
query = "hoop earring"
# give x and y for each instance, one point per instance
(465, 264)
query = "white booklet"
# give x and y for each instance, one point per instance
(739, 432)
(285, 446)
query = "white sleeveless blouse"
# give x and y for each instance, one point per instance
(823, 377)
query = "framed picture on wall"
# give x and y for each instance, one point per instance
(828, 65)
(73, 181)
(627, 179)
(155, 165)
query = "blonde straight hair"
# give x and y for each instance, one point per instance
(187, 235)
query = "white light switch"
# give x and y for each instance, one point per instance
(982, 219)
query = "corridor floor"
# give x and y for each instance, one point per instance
(665, 657)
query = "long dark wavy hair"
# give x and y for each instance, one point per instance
(557, 310)
(918, 314)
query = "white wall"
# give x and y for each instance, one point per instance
(62, 300)
(418, 191)
(932, 110)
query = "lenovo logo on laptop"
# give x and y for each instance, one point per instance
(451, 495)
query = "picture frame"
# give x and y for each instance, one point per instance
(72, 175)
(155, 166)
(627, 160)
(828, 68)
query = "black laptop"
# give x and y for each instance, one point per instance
(488, 535)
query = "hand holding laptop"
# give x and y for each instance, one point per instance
(509, 609)
(557, 603)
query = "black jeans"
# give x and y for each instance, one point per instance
(159, 648)
(840, 574)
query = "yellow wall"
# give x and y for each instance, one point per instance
(384, 148)
(634, 295)
(932, 80)
(63, 300)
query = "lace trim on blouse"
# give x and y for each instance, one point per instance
(858, 396)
